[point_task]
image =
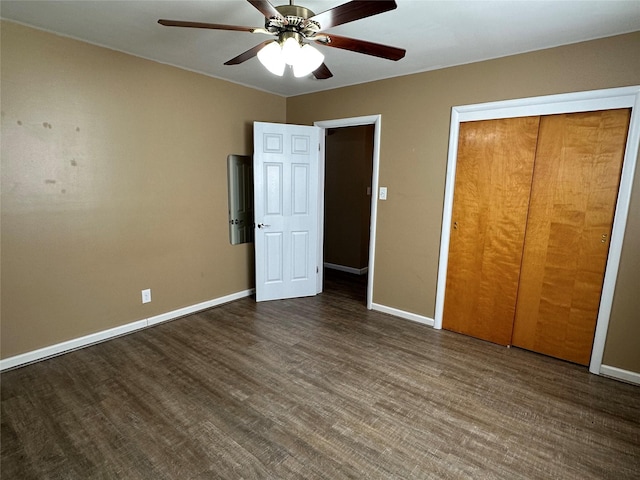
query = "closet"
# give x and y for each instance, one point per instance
(534, 200)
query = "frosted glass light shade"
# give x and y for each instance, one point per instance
(308, 60)
(291, 51)
(271, 57)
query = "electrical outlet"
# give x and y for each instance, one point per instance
(146, 295)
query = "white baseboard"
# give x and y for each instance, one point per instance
(402, 314)
(181, 312)
(620, 374)
(74, 344)
(343, 268)
(605, 370)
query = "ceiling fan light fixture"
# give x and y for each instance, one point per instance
(271, 57)
(309, 59)
(294, 26)
(304, 59)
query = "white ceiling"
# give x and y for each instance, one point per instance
(436, 34)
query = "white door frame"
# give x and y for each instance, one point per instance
(374, 120)
(623, 97)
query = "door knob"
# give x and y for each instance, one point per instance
(262, 225)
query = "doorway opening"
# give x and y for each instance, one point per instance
(373, 124)
(347, 207)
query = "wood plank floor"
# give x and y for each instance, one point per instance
(313, 388)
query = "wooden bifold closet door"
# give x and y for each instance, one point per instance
(491, 198)
(533, 208)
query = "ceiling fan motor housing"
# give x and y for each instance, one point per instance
(294, 19)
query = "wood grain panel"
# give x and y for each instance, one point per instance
(575, 187)
(491, 198)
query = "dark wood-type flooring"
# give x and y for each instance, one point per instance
(313, 388)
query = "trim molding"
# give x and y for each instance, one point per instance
(414, 317)
(93, 338)
(343, 268)
(620, 374)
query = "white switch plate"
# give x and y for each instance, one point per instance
(383, 193)
(146, 295)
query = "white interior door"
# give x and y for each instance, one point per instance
(285, 166)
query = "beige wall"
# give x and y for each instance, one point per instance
(416, 111)
(113, 180)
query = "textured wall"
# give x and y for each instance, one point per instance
(114, 180)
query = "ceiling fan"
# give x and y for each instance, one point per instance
(295, 26)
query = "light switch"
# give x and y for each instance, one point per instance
(383, 193)
(146, 295)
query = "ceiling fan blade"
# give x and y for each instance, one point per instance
(350, 11)
(361, 46)
(265, 8)
(322, 72)
(212, 26)
(252, 52)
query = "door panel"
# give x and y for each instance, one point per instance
(300, 250)
(573, 197)
(273, 191)
(286, 212)
(300, 186)
(492, 188)
(273, 257)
